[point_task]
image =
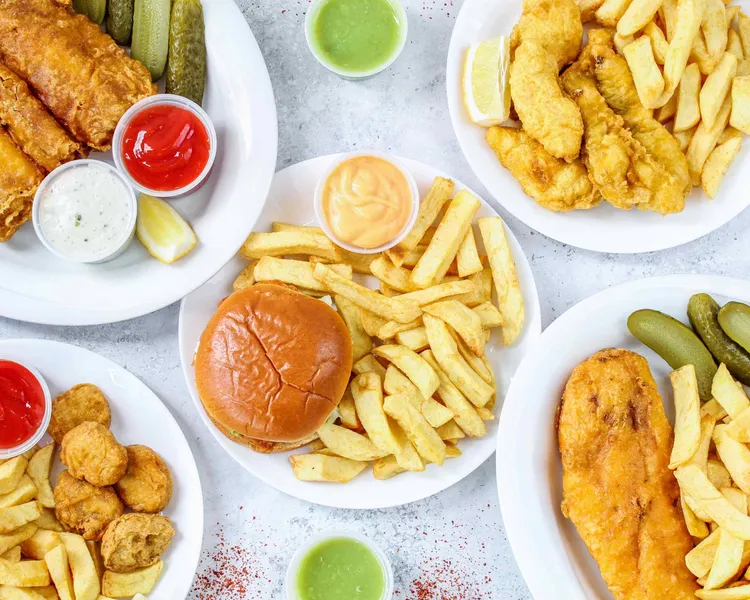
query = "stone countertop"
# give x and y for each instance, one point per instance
(451, 546)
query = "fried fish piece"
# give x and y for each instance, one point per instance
(82, 402)
(615, 442)
(33, 129)
(147, 484)
(84, 508)
(556, 24)
(92, 453)
(547, 114)
(135, 541)
(78, 72)
(554, 184)
(19, 179)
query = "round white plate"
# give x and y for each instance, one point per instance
(291, 200)
(604, 228)
(552, 557)
(36, 286)
(138, 417)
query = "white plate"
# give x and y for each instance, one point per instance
(36, 286)
(291, 200)
(138, 417)
(552, 557)
(603, 229)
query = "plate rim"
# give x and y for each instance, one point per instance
(225, 443)
(58, 346)
(20, 307)
(525, 551)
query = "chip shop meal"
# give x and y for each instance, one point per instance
(390, 378)
(76, 540)
(654, 104)
(680, 500)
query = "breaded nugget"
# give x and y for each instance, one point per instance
(92, 453)
(147, 484)
(135, 541)
(84, 402)
(83, 508)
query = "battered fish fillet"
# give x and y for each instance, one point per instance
(612, 156)
(34, 130)
(79, 73)
(616, 86)
(19, 179)
(547, 114)
(615, 443)
(556, 24)
(554, 184)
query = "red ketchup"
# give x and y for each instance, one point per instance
(22, 404)
(165, 147)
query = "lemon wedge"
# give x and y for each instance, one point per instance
(486, 93)
(166, 235)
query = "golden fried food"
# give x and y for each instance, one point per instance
(147, 484)
(135, 541)
(83, 508)
(554, 184)
(80, 74)
(556, 24)
(92, 453)
(615, 443)
(547, 114)
(19, 179)
(83, 402)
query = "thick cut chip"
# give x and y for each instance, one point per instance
(319, 467)
(687, 431)
(464, 321)
(281, 243)
(348, 444)
(412, 365)
(367, 391)
(417, 429)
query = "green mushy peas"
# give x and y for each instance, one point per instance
(356, 36)
(340, 569)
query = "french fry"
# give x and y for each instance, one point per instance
(96, 556)
(667, 112)
(687, 435)
(637, 16)
(369, 364)
(27, 573)
(39, 544)
(743, 24)
(741, 592)
(439, 292)
(417, 429)
(713, 408)
(718, 474)
(295, 272)
(348, 412)
(697, 510)
(731, 13)
(700, 458)
(371, 323)
(659, 42)
(743, 68)
(389, 329)
(443, 248)
(489, 315)
(350, 312)
(278, 226)
(407, 456)
(38, 469)
(717, 164)
(739, 427)
(735, 456)
(429, 209)
(688, 112)
(348, 444)
(390, 308)
(450, 431)
(467, 258)
(684, 138)
(588, 9)
(360, 263)
(416, 339)
(734, 44)
(704, 141)
(474, 361)
(740, 116)
(25, 491)
(700, 558)
(695, 526)
(716, 87)
(729, 393)
(483, 283)
(12, 555)
(412, 365)
(413, 257)
(396, 277)
(367, 391)
(729, 133)
(726, 560)
(13, 539)
(610, 12)
(668, 13)
(13, 517)
(11, 473)
(86, 583)
(714, 28)
(687, 24)
(621, 41)
(464, 321)
(388, 291)
(323, 468)
(485, 414)
(282, 243)
(505, 277)
(245, 278)
(119, 585)
(398, 384)
(385, 468)
(48, 521)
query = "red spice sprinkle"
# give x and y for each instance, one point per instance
(440, 580)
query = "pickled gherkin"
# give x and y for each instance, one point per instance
(150, 43)
(734, 319)
(93, 9)
(186, 69)
(120, 20)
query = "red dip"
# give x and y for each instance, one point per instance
(22, 404)
(165, 147)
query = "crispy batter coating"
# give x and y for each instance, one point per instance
(556, 24)
(83, 402)
(92, 453)
(135, 541)
(147, 484)
(83, 508)
(19, 179)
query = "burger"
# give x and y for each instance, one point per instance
(272, 366)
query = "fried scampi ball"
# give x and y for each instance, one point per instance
(147, 484)
(83, 402)
(135, 541)
(92, 453)
(83, 508)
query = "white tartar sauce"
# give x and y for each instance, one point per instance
(86, 212)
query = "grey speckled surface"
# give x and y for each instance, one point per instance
(403, 111)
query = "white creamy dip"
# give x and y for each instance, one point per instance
(86, 212)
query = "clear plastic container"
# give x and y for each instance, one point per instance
(128, 233)
(33, 440)
(321, 217)
(164, 100)
(299, 555)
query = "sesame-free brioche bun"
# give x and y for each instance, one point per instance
(272, 364)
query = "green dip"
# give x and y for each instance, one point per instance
(355, 36)
(340, 569)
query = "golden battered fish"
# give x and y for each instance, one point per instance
(556, 24)
(19, 179)
(78, 72)
(615, 442)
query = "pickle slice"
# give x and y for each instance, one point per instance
(734, 319)
(186, 70)
(150, 44)
(93, 9)
(120, 20)
(676, 343)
